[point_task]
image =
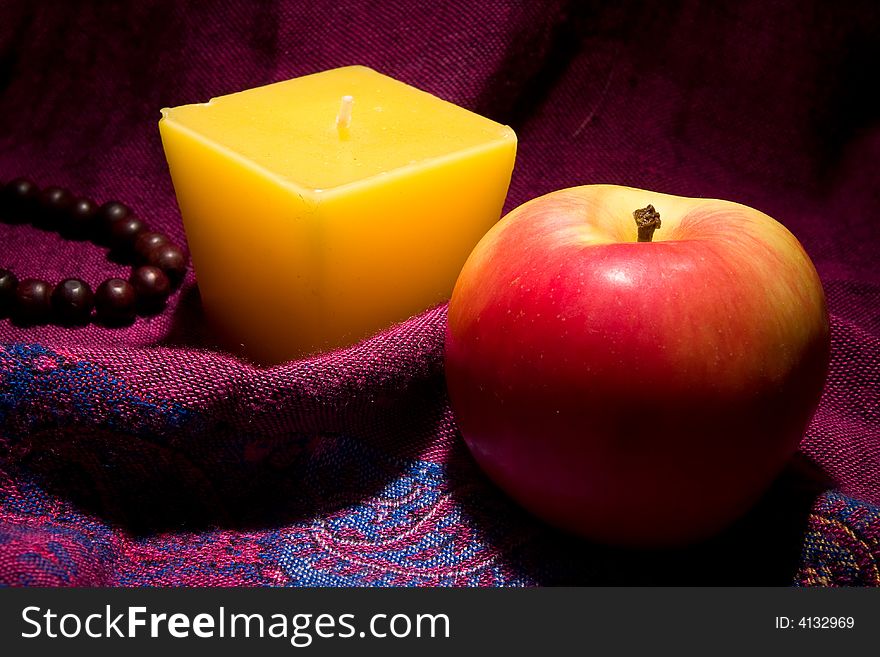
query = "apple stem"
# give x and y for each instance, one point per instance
(648, 220)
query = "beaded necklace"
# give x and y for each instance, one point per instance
(158, 265)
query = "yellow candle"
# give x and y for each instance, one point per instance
(325, 208)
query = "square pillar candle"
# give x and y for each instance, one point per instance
(326, 208)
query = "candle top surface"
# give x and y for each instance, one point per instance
(290, 128)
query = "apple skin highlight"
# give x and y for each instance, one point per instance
(641, 394)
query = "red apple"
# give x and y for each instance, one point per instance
(636, 392)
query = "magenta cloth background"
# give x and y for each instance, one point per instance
(145, 456)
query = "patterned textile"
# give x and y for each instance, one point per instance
(147, 456)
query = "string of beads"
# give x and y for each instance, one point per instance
(158, 265)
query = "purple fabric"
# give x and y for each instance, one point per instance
(145, 456)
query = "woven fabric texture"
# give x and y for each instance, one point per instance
(148, 456)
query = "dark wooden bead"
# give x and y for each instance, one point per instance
(150, 283)
(108, 214)
(146, 242)
(72, 301)
(33, 301)
(112, 211)
(54, 203)
(152, 287)
(170, 259)
(124, 232)
(8, 283)
(20, 189)
(115, 301)
(80, 219)
(19, 197)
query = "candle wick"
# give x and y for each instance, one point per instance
(343, 119)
